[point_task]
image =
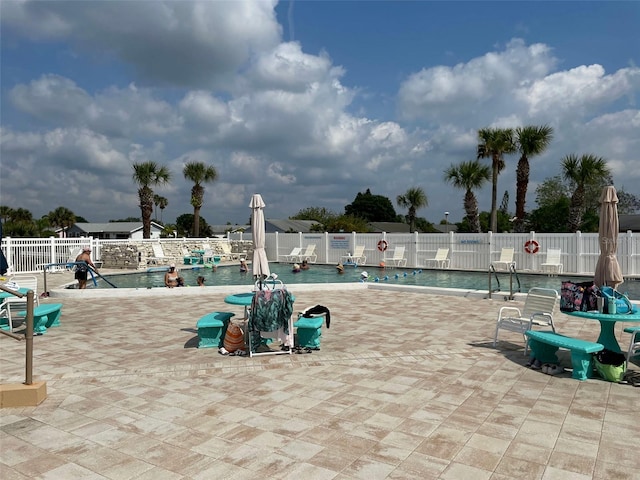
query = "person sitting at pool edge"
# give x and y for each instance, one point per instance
(296, 268)
(305, 265)
(172, 278)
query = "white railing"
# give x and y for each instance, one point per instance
(467, 251)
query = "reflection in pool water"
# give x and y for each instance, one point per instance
(230, 275)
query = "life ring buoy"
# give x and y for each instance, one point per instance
(531, 246)
(383, 245)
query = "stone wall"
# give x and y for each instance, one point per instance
(139, 255)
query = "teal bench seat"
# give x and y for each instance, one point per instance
(211, 329)
(309, 331)
(545, 344)
(44, 316)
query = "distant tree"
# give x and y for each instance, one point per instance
(198, 173)
(162, 204)
(5, 213)
(145, 175)
(413, 199)
(62, 218)
(184, 226)
(530, 140)
(495, 143)
(628, 204)
(318, 214)
(504, 204)
(583, 171)
(81, 219)
(128, 219)
(469, 176)
(373, 208)
(346, 223)
(424, 226)
(551, 217)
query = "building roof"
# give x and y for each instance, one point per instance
(114, 227)
(389, 227)
(629, 222)
(285, 226)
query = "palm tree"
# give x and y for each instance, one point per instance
(62, 217)
(582, 172)
(162, 204)
(198, 173)
(469, 176)
(413, 199)
(146, 174)
(495, 143)
(156, 200)
(531, 140)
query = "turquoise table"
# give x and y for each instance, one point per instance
(243, 299)
(607, 326)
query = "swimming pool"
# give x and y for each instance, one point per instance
(323, 274)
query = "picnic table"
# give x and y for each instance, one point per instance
(607, 326)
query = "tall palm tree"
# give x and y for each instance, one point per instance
(62, 217)
(146, 174)
(198, 173)
(495, 143)
(582, 172)
(413, 199)
(162, 204)
(156, 200)
(531, 140)
(469, 176)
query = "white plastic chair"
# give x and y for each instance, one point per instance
(441, 259)
(397, 258)
(552, 263)
(309, 254)
(295, 252)
(539, 307)
(505, 260)
(358, 257)
(13, 303)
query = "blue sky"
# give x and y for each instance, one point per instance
(307, 103)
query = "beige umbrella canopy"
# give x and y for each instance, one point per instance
(260, 263)
(607, 269)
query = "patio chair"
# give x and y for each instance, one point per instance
(505, 260)
(188, 258)
(291, 257)
(552, 263)
(539, 307)
(633, 353)
(227, 252)
(158, 255)
(12, 304)
(309, 254)
(358, 257)
(397, 258)
(441, 259)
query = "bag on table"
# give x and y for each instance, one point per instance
(576, 297)
(233, 338)
(610, 365)
(623, 304)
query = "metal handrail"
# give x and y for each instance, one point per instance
(28, 334)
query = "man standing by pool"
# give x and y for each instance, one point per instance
(83, 269)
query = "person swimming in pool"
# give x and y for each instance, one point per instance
(172, 278)
(243, 266)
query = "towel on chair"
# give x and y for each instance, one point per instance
(317, 310)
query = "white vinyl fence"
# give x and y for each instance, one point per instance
(467, 251)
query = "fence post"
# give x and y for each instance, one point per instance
(579, 251)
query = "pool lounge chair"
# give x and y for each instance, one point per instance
(159, 256)
(226, 251)
(358, 257)
(309, 254)
(539, 307)
(505, 260)
(441, 259)
(291, 257)
(552, 263)
(14, 304)
(397, 258)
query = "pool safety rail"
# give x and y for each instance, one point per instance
(512, 273)
(28, 335)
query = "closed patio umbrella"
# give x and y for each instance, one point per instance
(260, 264)
(608, 271)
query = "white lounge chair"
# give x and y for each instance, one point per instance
(12, 303)
(552, 264)
(227, 252)
(539, 307)
(159, 256)
(358, 257)
(291, 257)
(397, 258)
(441, 259)
(505, 260)
(309, 254)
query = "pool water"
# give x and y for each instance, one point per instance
(231, 275)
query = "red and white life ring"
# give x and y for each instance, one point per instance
(531, 246)
(383, 245)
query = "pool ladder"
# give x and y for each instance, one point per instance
(512, 273)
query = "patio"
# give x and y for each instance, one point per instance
(406, 386)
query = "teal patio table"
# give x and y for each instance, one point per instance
(607, 326)
(243, 299)
(4, 294)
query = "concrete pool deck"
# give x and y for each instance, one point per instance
(406, 386)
